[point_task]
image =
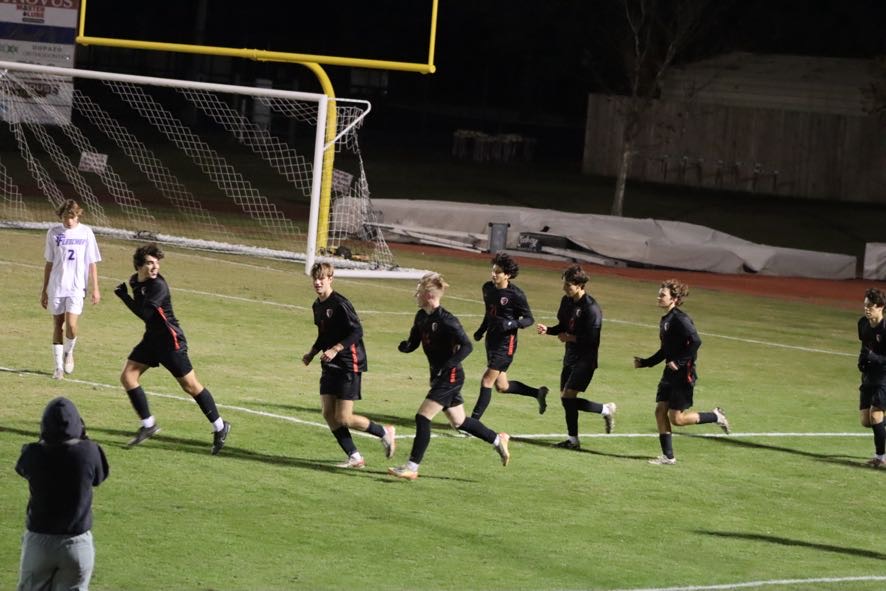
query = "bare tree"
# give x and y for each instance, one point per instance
(657, 33)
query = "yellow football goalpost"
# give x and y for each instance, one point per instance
(312, 62)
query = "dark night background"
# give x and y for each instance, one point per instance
(502, 66)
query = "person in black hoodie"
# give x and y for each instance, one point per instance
(61, 470)
(679, 349)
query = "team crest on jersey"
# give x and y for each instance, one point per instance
(665, 325)
(578, 313)
(503, 300)
(879, 338)
(433, 327)
(329, 312)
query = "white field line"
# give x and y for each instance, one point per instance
(463, 315)
(801, 583)
(298, 421)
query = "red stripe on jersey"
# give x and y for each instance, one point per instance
(175, 343)
(689, 372)
(510, 345)
(355, 365)
(452, 375)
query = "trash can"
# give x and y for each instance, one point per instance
(498, 236)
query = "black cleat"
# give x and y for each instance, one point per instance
(219, 438)
(542, 400)
(144, 433)
(567, 444)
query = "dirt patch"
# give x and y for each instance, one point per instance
(847, 293)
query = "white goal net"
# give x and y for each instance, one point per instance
(203, 165)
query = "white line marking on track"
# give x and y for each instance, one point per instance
(769, 583)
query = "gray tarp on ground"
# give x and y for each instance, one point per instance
(661, 243)
(875, 260)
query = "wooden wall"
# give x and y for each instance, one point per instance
(792, 153)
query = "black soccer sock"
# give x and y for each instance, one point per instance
(375, 429)
(879, 437)
(139, 402)
(706, 417)
(570, 409)
(477, 429)
(521, 389)
(588, 405)
(343, 436)
(207, 404)
(482, 402)
(422, 439)
(667, 446)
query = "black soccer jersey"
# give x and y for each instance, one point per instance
(506, 311)
(152, 303)
(442, 338)
(872, 356)
(584, 319)
(337, 323)
(679, 341)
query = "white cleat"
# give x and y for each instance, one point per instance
(69, 362)
(58, 374)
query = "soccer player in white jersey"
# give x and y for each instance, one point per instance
(71, 255)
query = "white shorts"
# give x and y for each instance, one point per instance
(70, 304)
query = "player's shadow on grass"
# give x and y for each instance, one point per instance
(582, 450)
(315, 410)
(27, 433)
(839, 459)
(201, 447)
(791, 542)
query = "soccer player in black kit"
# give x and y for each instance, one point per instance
(579, 322)
(679, 350)
(446, 345)
(162, 344)
(872, 365)
(343, 361)
(506, 311)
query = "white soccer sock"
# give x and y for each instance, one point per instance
(497, 441)
(356, 455)
(218, 424)
(58, 354)
(69, 345)
(410, 465)
(149, 422)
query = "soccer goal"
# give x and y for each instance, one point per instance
(208, 166)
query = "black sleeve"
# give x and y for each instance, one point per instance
(356, 329)
(653, 360)
(23, 463)
(464, 347)
(413, 340)
(693, 341)
(102, 469)
(522, 311)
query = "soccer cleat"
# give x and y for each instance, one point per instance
(876, 462)
(144, 433)
(722, 421)
(403, 472)
(389, 441)
(219, 438)
(542, 400)
(569, 444)
(352, 463)
(69, 362)
(663, 460)
(502, 448)
(58, 374)
(609, 418)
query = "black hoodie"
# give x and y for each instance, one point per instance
(61, 470)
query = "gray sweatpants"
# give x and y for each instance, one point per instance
(56, 562)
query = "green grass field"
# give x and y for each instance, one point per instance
(783, 499)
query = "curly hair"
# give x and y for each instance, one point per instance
(142, 252)
(508, 265)
(876, 296)
(678, 290)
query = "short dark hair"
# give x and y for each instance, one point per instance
(142, 252)
(508, 265)
(575, 275)
(68, 206)
(876, 296)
